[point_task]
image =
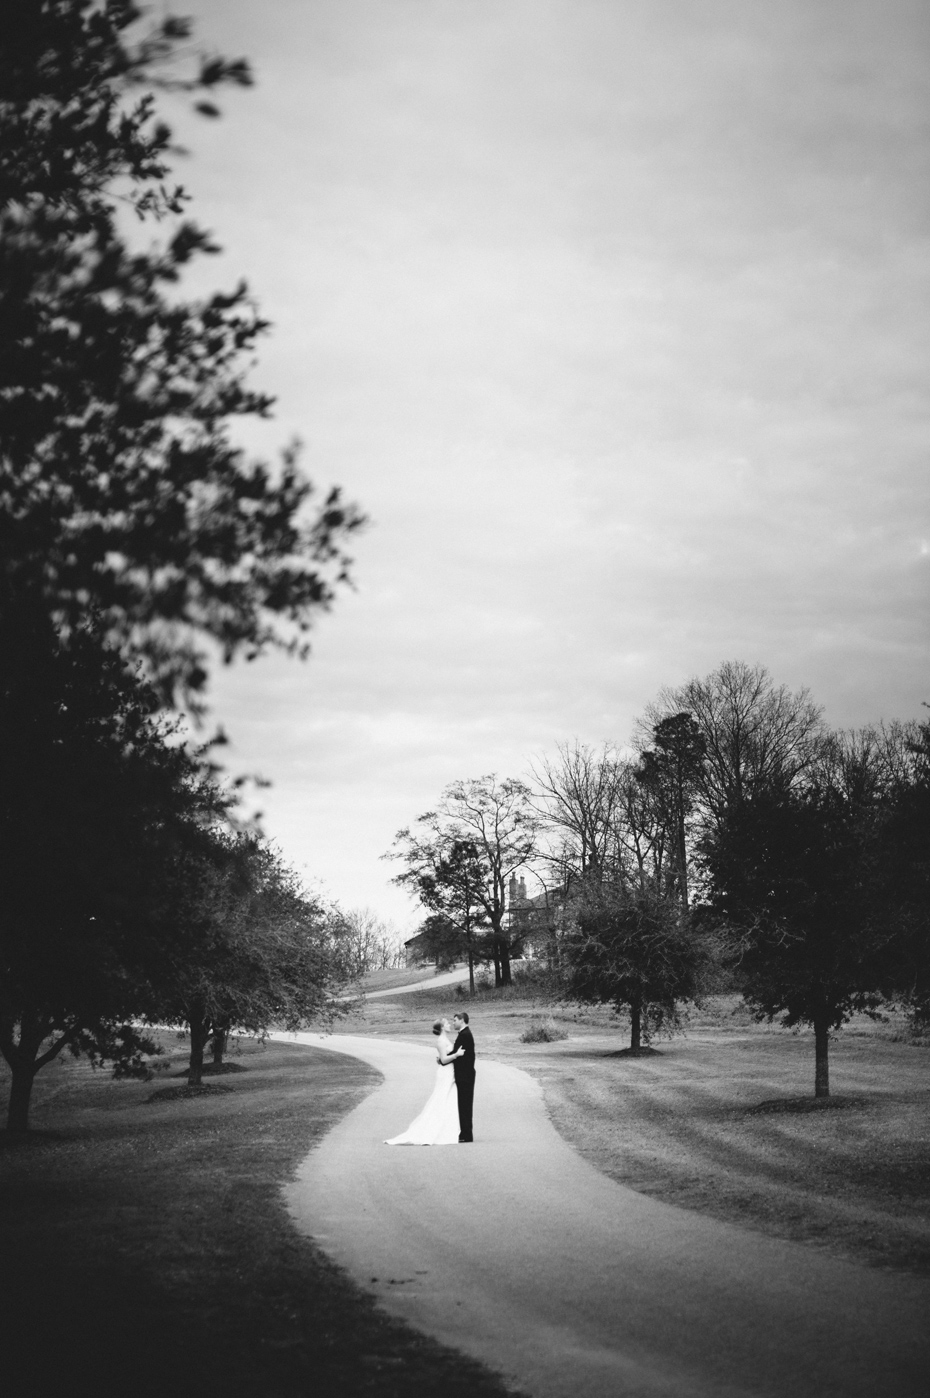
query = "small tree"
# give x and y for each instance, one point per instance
(629, 948)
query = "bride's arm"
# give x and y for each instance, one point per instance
(445, 1055)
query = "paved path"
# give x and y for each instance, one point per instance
(427, 983)
(518, 1252)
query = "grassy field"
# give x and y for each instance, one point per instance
(145, 1246)
(722, 1119)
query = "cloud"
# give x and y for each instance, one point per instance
(613, 318)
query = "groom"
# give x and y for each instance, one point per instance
(462, 1059)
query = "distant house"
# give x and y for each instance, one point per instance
(415, 951)
(534, 923)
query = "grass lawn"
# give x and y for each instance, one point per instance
(145, 1246)
(722, 1119)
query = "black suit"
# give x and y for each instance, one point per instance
(464, 1070)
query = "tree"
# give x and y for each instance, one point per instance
(671, 772)
(579, 801)
(120, 489)
(367, 942)
(440, 941)
(67, 68)
(899, 870)
(631, 948)
(495, 828)
(447, 875)
(789, 876)
(257, 951)
(756, 736)
(95, 807)
(132, 529)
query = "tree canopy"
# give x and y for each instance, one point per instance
(137, 543)
(631, 948)
(121, 488)
(462, 854)
(96, 807)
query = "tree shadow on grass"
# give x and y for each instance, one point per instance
(174, 1094)
(808, 1104)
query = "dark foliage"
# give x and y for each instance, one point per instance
(256, 952)
(120, 489)
(790, 878)
(633, 949)
(900, 880)
(95, 808)
(670, 771)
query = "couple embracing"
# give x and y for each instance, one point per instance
(446, 1118)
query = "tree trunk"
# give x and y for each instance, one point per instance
(200, 1033)
(498, 980)
(682, 863)
(822, 1060)
(22, 1078)
(471, 973)
(505, 964)
(24, 1062)
(636, 1026)
(218, 1045)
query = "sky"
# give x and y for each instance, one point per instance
(612, 315)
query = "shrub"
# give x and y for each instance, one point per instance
(542, 1031)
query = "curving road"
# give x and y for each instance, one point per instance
(518, 1252)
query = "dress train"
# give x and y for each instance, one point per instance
(438, 1122)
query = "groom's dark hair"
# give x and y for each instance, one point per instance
(462, 1014)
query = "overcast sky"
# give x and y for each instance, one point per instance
(613, 316)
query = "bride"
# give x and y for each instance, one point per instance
(438, 1123)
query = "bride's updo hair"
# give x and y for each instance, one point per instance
(437, 1027)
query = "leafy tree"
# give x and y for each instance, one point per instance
(129, 522)
(631, 948)
(671, 771)
(790, 874)
(67, 69)
(440, 941)
(448, 877)
(95, 808)
(899, 871)
(494, 828)
(257, 951)
(120, 488)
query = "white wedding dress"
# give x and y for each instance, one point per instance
(438, 1123)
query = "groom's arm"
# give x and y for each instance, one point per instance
(457, 1052)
